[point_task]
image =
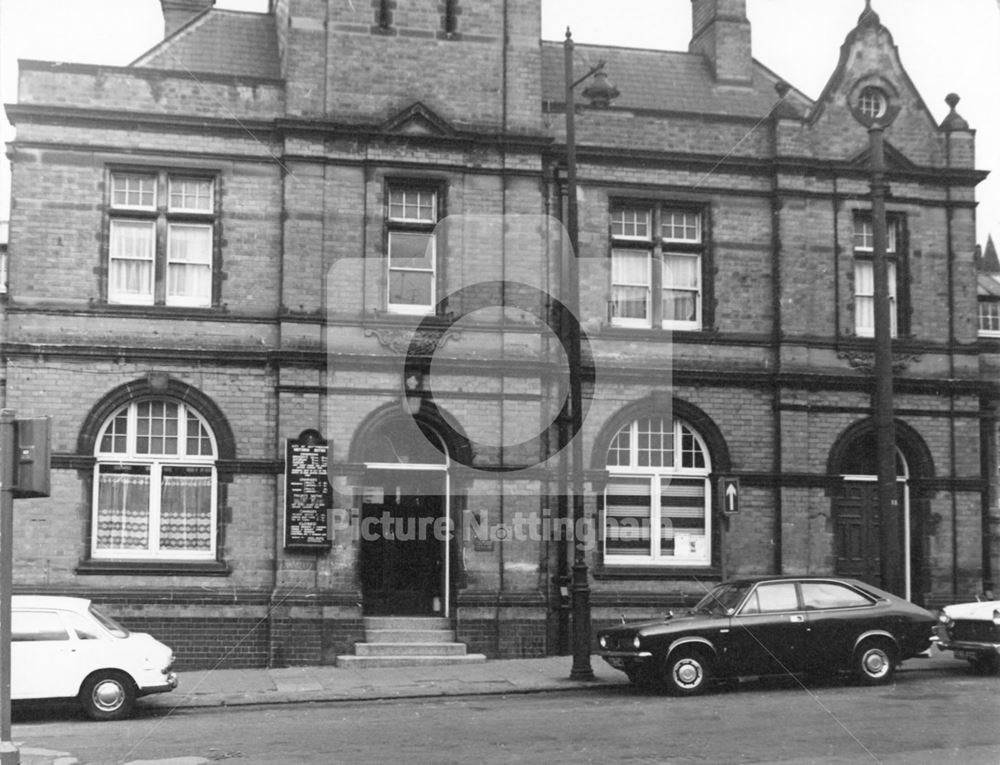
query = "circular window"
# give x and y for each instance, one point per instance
(872, 103)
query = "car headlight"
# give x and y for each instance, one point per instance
(603, 641)
(944, 619)
(996, 617)
(636, 642)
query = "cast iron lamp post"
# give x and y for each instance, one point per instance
(600, 93)
(874, 110)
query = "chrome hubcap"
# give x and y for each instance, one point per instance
(876, 663)
(109, 695)
(687, 673)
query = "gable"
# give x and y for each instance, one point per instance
(870, 59)
(417, 119)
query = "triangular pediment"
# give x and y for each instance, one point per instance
(894, 158)
(417, 119)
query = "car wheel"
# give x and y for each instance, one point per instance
(986, 665)
(108, 695)
(687, 672)
(875, 662)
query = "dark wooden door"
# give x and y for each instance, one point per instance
(856, 527)
(402, 560)
(857, 531)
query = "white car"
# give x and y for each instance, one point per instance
(972, 631)
(68, 648)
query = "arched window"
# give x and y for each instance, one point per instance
(658, 480)
(155, 484)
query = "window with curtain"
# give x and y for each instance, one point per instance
(161, 238)
(155, 484)
(864, 277)
(656, 267)
(657, 500)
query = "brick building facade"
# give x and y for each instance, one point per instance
(345, 220)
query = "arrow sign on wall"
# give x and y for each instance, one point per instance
(729, 495)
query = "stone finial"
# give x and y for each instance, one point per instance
(869, 16)
(784, 110)
(954, 120)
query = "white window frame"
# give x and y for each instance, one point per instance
(695, 290)
(992, 317)
(872, 102)
(657, 477)
(864, 242)
(145, 295)
(868, 298)
(632, 321)
(194, 300)
(127, 177)
(399, 221)
(680, 235)
(155, 464)
(182, 181)
(161, 213)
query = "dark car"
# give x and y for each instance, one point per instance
(771, 626)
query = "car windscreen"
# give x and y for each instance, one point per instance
(722, 598)
(108, 623)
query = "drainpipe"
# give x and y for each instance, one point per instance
(776, 284)
(952, 447)
(503, 275)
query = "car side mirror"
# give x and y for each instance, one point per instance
(730, 612)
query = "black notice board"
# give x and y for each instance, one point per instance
(307, 492)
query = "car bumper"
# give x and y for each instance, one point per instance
(968, 649)
(623, 659)
(169, 684)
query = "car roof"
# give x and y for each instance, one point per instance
(59, 602)
(756, 579)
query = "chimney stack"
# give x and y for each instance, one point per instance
(177, 13)
(720, 31)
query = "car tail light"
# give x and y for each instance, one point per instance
(996, 617)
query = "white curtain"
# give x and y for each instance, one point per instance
(123, 512)
(186, 513)
(630, 284)
(864, 297)
(131, 267)
(189, 264)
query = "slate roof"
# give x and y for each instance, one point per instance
(220, 42)
(667, 81)
(988, 285)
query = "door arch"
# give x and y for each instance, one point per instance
(407, 538)
(856, 529)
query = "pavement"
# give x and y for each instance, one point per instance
(295, 685)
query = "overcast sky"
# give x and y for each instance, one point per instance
(946, 46)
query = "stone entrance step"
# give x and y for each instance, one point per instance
(407, 641)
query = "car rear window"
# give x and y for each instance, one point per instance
(818, 595)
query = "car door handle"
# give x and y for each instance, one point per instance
(796, 618)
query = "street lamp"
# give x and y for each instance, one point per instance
(872, 107)
(600, 93)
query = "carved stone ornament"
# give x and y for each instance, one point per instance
(423, 342)
(865, 360)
